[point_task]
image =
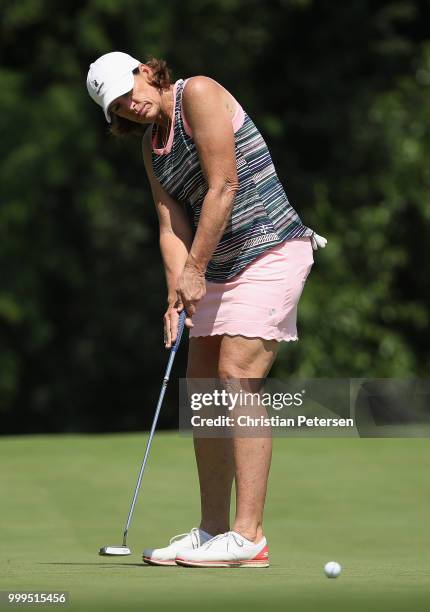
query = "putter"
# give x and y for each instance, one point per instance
(124, 550)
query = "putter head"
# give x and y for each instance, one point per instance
(114, 551)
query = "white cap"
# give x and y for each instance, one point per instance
(109, 77)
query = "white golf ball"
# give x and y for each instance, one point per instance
(332, 569)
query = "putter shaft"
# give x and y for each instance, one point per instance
(174, 348)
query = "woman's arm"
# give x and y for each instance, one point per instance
(175, 241)
(205, 110)
(208, 116)
(175, 231)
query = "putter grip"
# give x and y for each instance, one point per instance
(181, 323)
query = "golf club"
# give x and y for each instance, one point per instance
(124, 550)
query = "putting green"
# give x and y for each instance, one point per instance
(364, 503)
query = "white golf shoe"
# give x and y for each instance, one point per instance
(184, 541)
(226, 550)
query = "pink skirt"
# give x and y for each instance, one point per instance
(261, 301)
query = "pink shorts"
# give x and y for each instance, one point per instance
(261, 301)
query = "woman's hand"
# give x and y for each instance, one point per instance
(190, 290)
(171, 319)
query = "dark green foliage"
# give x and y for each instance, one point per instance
(340, 92)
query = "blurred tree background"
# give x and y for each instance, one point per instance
(339, 90)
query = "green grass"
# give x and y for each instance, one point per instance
(364, 503)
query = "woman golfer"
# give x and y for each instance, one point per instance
(236, 257)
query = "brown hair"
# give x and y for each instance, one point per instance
(161, 78)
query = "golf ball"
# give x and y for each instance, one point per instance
(332, 569)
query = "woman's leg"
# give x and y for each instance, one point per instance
(214, 456)
(249, 358)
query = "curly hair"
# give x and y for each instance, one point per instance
(161, 78)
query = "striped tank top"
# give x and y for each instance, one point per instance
(262, 216)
